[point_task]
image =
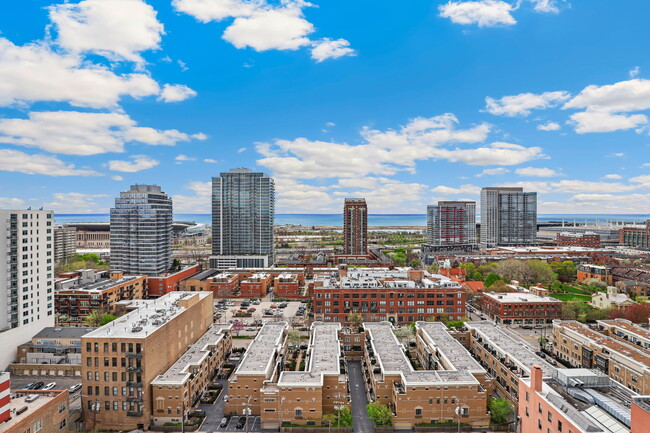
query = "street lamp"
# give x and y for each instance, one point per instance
(246, 412)
(459, 412)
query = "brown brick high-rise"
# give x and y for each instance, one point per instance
(355, 227)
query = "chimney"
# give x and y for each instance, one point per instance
(536, 378)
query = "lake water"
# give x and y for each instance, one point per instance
(375, 220)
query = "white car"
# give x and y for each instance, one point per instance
(49, 386)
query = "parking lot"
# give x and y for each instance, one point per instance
(289, 313)
(62, 382)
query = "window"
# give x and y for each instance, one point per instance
(550, 417)
(298, 413)
(559, 426)
(418, 412)
(63, 424)
(62, 407)
(38, 425)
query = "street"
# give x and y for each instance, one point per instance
(361, 423)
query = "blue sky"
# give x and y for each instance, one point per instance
(404, 103)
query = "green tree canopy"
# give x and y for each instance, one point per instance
(500, 409)
(380, 414)
(491, 279)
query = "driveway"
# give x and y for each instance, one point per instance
(360, 421)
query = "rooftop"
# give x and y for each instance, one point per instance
(325, 352)
(448, 348)
(626, 350)
(63, 332)
(261, 352)
(515, 350)
(392, 360)
(179, 372)
(519, 297)
(597, 405)
(20, 400)
(100, 286)
(149, 315)
(627, 326)
(208, 273)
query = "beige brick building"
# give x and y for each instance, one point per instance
(38, 411)
(121, 359)
(180, 387)
(504, 358)
(626, 363)
(289, 397)
(449, 379)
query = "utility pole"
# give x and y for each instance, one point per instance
(183, 416)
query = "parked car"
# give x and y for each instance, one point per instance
(49, 386)
(251, 310)
(526, 327)
(256, 302)
(283, 305)
(74, 388)
(37, 385)
(539, 326)
(250, 329)
(304, 301)
(224, 422)
(241, 423)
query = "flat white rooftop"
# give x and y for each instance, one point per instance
(149, 316)
(179, 372)
(505, 345)
(391, 358)
(325, 351)
(261, 352)
(447, 347)
(519, 297)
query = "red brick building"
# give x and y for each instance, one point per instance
(400, 296)
(635, 237)
(256, 286)
(520, 308)
(587, 271)
(288, 285)
(164, 284)
(587, 239)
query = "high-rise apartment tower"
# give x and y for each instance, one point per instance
(27, 283)
(243, 218)
(141, 231)
(451, 223)
(508, 216)
(355, 227)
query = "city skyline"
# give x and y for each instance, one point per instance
(428, 103)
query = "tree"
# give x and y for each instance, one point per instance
(107, 318)
(541, 272)
(380, 414)
(491, 279)
(515, 270)
(404, 334)
(237, 327)
(345, 417)
(98, 318)
(355, 319)
(434, 269)
(500, 286)
(294, 337)
(500, 408)
(596, 283)
(566, 271)
(176, 266)
(416, 264)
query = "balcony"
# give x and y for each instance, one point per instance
(134, 398)
(134, 384)
(134, 354)
(135, 369)
(134, 413)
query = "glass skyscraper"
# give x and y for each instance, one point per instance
(141, 231)
(508, 216)
(243, 218)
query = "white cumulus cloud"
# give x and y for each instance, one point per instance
(79, 133)
(138, 163)
(20, 162)
(116, 29)
(176, 93)
(484, 13)
(34, 72)
(549, 126)
(523, 103)
(493, 172)
(330, 49)
(536, 172)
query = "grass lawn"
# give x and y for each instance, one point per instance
(571, 297)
